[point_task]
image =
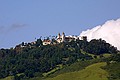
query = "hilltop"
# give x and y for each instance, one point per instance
(32, 60)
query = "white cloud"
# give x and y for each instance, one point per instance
(110, 32)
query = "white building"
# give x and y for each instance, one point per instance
(46, 42)
(63, 38)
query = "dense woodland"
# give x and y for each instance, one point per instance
(113, 67)
(35, 59)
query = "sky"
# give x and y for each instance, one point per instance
(25, 20)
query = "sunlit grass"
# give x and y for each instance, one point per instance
(92, 72)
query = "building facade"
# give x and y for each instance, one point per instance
(63, 38)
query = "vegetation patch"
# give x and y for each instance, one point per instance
(53, 70)
(8, 78)
(113, 67)
(92, 72)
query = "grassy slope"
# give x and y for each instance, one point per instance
(52, 71)
(113, 70)
(8, 78)
(92, 72)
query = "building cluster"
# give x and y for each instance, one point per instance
(63, 38)
(59, 39)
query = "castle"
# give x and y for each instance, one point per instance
(53, 41)
(63, 38)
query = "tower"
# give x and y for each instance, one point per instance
(59, 39)
(63, 37)
(58, 35)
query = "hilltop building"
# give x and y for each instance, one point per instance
(83, 38)
(46, 42)
(63, 38)
(53, 41)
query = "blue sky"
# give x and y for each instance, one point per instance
(25, 20)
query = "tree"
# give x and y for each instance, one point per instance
(39, 42)
(23, 43)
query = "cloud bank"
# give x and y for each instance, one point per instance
(110, 32)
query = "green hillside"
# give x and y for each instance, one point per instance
(67, 60)
(92, 72)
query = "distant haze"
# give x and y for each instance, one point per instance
(109, 31)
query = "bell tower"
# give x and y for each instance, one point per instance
(63, 37)
(58, 35)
